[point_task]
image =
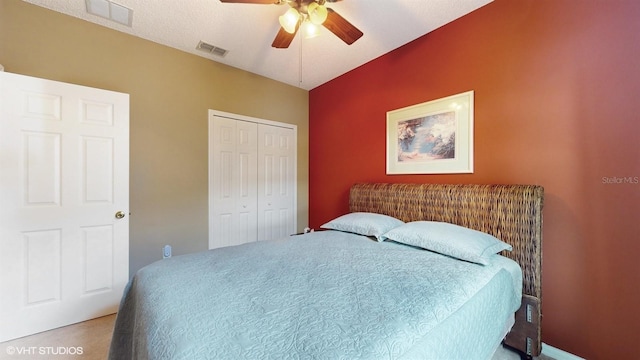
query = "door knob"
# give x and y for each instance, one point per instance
(119, 214)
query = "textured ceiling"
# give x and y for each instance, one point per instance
(247, 30)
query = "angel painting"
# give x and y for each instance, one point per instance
(428, 138)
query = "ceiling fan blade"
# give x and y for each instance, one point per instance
(250, 1)
(283, 38)
(341, 27)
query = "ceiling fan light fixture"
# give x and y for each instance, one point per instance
(289, 20)
(311, 30)
(317, 13)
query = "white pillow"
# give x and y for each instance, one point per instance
(364, 223)
(449, 239)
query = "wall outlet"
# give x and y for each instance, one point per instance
(166, 251)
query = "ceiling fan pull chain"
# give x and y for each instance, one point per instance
(300, 64)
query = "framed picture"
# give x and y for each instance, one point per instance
(434, 137)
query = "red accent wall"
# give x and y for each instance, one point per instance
(557, 103)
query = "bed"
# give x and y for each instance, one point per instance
(350, 294)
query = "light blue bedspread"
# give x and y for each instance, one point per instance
(324, 295)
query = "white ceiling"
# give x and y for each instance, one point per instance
(247, 30)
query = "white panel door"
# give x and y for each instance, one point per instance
(233, 173)
(276, 182)
(64, 174)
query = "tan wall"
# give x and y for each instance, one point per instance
(170, 93)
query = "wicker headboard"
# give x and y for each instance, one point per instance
(512, 213)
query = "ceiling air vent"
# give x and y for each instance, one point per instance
(203, 46)
(110, 10)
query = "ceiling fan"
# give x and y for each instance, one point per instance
(310, 13)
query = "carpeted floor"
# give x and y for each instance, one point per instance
(90, 340)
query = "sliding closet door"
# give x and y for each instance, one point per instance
(252, 179)
(233, 173)
(276, 182)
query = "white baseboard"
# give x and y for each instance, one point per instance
(558, 354)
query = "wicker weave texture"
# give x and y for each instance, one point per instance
(512, 213)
